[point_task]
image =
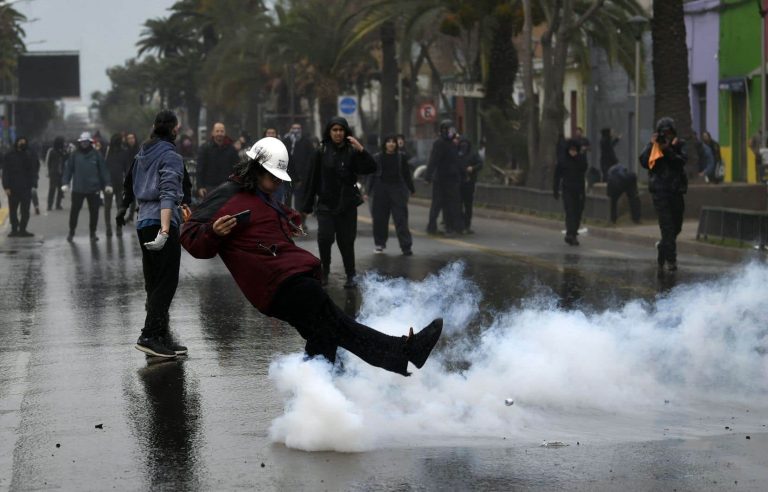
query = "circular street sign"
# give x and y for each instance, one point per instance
(428, 112)
(347, 105)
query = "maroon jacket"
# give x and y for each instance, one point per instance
(260, 254)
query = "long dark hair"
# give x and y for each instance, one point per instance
(248, 172)
(165, 123)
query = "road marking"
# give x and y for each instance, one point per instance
(3, 215)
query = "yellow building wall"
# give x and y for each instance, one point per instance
(727, 153)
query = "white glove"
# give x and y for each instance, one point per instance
(108, 190)
(64, 188)
(158, 243)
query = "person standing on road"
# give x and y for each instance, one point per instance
(118, 164)
(300, 152)
(470, 164)
(215, 160)
(444, 172)
(89, 176)
(620, 181)
(608, 157)
(54, 162)
(332, 179)
(665, 158)
(279, 278)
(20, 174)
(157, 178)
(390, 187)
(570, 173)
(714, 173)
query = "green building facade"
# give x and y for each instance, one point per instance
(740, 101)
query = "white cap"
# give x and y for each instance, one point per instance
(85, 136)
(273, 155)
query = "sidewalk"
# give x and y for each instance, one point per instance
(647, 232)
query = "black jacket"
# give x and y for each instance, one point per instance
(333, 174)
(668, 174)
(117, 164)
(215, 163)
(619, 179)
(55, 160)
(570, 171)
(20, 171)
(468, 158)
(444, 165)
(405, 172)
(299, 159)
(607, 152)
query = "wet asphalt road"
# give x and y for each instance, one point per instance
(71, 313)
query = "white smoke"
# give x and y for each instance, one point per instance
(697, 353)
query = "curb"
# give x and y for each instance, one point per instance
(684, 246)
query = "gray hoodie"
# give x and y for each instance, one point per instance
(157, 180)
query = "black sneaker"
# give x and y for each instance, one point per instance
(170, 342)
(13, 234)
(419, 346)
(407, 252)
(350, 283)
(154, 346)
(94, 238)
(25, 234)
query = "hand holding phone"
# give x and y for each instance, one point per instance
(243, 217)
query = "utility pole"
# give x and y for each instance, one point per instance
(763, 11)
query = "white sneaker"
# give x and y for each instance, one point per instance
(379, 250)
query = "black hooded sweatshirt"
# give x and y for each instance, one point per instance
(333, 173)
(20, 170)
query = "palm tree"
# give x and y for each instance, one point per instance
(11, 45)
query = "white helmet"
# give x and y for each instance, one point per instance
(272, 154)
(85, 137)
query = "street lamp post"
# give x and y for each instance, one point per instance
(638, 23)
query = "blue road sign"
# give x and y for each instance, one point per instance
(347, 105)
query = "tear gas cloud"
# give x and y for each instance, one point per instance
(701, 347)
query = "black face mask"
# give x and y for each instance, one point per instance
(22, 147)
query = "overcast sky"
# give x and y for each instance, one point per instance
(103, 31)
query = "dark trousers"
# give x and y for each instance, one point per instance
(302, 302)
(117, 196)
(341, 228)
(446, 196)
(54, 191)
(19, 200)
(634, 202)
(161, 277)
(93, 210)
(573, 203)
(391, 199)
(467, 201)
(670, 209)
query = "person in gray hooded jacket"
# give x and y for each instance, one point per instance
(157, 175)
(89, 176)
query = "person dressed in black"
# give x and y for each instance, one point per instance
(620, 181)
(118, 164)
(333, 180)
(390, 187)
(215, 160)
(20, 173)
(608, 157)
(54, 161)
(713, 173)
(570, 174)
(470, 163)
(300, 151)
(444, 172)
(665, 157)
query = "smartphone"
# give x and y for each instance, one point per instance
(243, 217)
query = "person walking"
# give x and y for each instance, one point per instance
(89, 176)
(54, 162)
(714, 173)
(157, 177)
(300, 151)
(665, 157)
(20, 175)
(570, 174)
(444, 172)
(332, 180)
(117, 164)
(279, 278)
(389, 188)
(608, 157)
(623, 181)
(470, 164)
(215, 160)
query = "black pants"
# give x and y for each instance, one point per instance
(467, 201)
(161, 277)
(341, 228)
(446, 196)
(630, 189)
(670, 209)
(302, 302)
(93, 210)
(391, 199)
(19, 200)
(117, 196)
(573, 203)
(54, 191)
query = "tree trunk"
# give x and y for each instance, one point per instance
(388, 79)
(670, 67)
(532, 114)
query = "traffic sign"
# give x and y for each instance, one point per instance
(347, 105)
(464, 89)
(428, 112)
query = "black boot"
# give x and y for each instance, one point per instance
(419, 346)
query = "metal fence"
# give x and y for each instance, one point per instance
(744, 226)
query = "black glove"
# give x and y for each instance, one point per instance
(120, 217)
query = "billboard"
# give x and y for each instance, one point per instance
(49, 74)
